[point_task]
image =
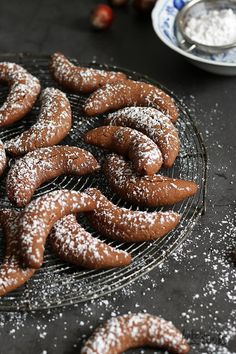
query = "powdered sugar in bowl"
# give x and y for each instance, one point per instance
(164, 17)
(207, 25)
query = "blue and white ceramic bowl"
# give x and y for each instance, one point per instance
(163, 19)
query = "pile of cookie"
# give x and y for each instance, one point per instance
(141, 136)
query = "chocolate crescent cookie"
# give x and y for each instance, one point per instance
(12, 273)
(130, 93)
(81, 79)
(142, 151)
(53, 124)
(135, 330)
(39, 217)
(73, 244)
(23, 92)
(42, 165)
(3, 158)
(127, 225)
(154, 124)
(150, 191)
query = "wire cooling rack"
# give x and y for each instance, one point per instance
(57, 283)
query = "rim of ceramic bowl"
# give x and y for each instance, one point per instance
(155, 14)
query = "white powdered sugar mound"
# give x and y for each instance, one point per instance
(216, 27)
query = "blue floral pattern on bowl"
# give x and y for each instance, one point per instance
(166, 23)
(178, 4)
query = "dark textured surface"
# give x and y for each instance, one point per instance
(42, 26)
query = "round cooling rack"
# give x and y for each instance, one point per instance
(59, 284)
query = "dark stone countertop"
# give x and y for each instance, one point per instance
(195, 288)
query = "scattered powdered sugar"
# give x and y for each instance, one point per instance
(214, 28)
(200, 319)
(198, 310)
(219, 275)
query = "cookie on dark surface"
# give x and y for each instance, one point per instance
(121, 333)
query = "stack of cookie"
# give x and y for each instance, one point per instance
(141, 135)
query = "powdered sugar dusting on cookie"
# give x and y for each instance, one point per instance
(147, 156)
(128, 225)
(144, 153)
(41, 165)
(81, 79)
(24, 89)
(154, 124)
(156, 190)
(39, 217)
(130, 93)
(74, 244)
(128, 331)
(12, 273)
(53, 124)
(3, 158)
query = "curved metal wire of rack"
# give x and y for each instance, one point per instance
(59, 284)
